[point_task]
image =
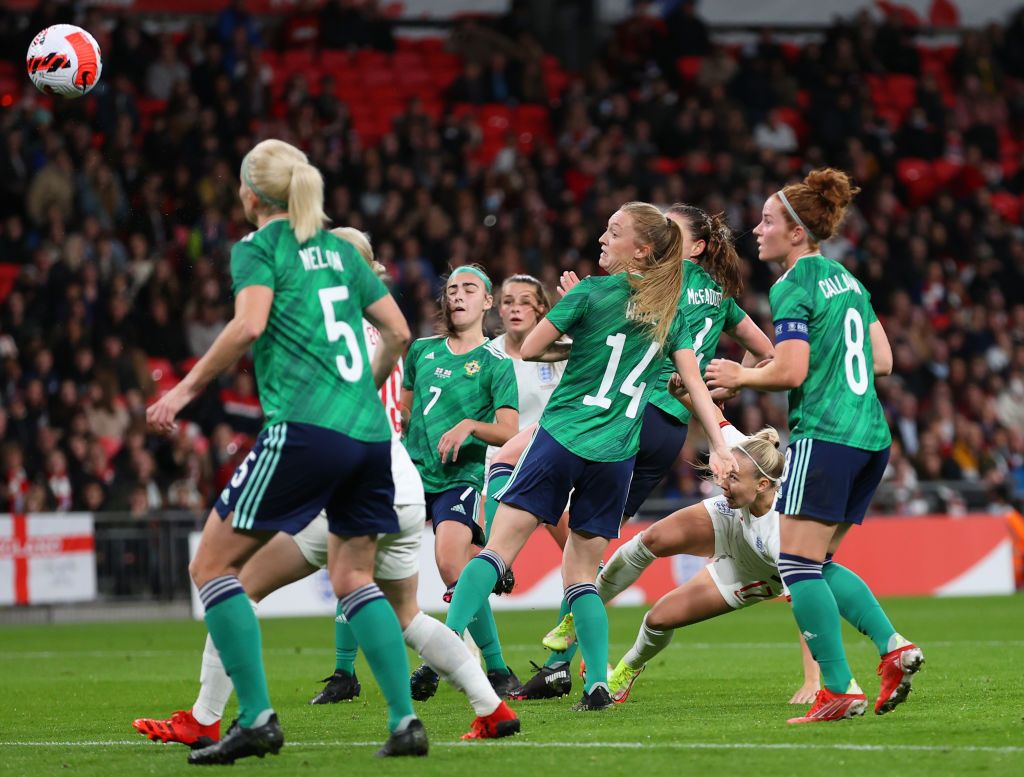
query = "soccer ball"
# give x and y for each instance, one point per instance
(64, 60)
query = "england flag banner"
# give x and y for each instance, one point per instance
(47, 558)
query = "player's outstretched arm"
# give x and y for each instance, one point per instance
(812, 677)
(881, 351)
(543, 344)
(394, 336)
(786, 371)
(722, 461)
(757, 344)
(252, 309)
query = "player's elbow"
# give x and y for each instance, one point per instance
(883, 366)
(793, 376)
(398, 336)
(250, 330)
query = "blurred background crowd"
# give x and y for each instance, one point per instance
(495, 145)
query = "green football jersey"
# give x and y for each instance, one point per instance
(707, 314)
(311, 362)
(597, 409)
(819, 301)
(447, 388)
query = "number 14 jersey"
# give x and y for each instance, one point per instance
(597, 410)
(820, 302)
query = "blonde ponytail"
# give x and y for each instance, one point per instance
(656, 292)
(282, 179)
(306, 201)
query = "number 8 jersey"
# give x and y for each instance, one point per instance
(818, 301)
(311, 361)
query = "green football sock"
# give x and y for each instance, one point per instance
(561, 656)
(591, 621)
(471, 591)
(376, 627)
(817, 615)
(485, 635)
(496, 480)
(236, 635)
(345, 644)
(858, 605)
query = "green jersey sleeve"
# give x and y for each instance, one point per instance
(251, 265)
(409, 375)
(792, 309)
(572, 308)
(733, 314)
(679, 337)
(504, 388)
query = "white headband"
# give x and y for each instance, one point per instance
(796, 218)
(765, 474)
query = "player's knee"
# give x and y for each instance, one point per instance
(657, 542)
(658, 620)
(345, 581)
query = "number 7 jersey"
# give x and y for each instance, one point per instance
(820, 302)
(311, 361)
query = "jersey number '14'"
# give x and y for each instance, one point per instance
(617, 342)
(351, 367)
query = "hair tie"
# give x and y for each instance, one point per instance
(473, 271)
(262, 195)
(796, 218)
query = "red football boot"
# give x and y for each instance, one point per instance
(833, 706)
(181, 727)
(896, 669)
(500, 723)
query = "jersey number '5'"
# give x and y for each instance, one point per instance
(350, 368)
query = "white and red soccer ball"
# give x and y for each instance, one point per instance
(64, 60)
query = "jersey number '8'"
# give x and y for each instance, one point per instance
(351, 368)
(617, 343)
(855, 361)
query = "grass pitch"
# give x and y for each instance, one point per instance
(713, 703)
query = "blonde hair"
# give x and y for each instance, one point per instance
(656, 291)
(282, 178)
(361, 242)
(763, 450)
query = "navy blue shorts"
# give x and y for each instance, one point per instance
(829, 481)
(661, 438)
(547, 473)
(456, 504)
(296, 470)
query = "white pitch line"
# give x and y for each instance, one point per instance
(514, 647)
(1008, 749)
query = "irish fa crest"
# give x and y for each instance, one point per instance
(472, 368)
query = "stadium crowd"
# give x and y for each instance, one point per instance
(119, 212)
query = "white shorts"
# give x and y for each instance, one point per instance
(742, 576)
(397, 554)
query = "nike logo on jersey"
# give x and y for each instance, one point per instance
(459, 509)
(429, 355)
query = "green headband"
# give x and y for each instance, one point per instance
(473, 271)
(247, 179)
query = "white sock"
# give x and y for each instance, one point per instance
(648, 644)
(214, 687)
(443, 651)
(623, 568)
(471, 645)
(732, 435)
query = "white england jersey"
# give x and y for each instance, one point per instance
(408, 486)
(536, 382)
(760, 533)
